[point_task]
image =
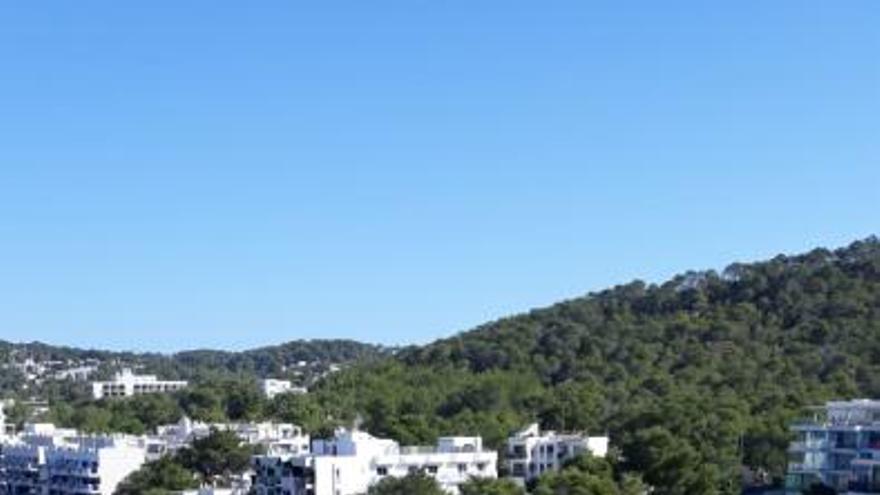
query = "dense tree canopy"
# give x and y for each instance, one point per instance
(212, 460)
(692, 379)
(588, 475)
(486, 486)
(411, 484)
(162, 476)
(217, 457)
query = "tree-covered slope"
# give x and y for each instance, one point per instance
(301, 360)
(692, 378)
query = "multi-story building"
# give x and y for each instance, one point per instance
(272, 387)
(127, 384)
(838, 447)
(23, 459)
(531, 452)
(352, 461)
(44, 460)
(93, 465)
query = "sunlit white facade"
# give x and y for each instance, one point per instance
(352, 461)
(532, 452)
(127, 384)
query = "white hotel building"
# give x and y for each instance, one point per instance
(352, 461)
(127, 384)
(838, 447)
(531, 452)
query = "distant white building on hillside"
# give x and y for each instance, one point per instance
(531, 452)
(127, 384)
(272, 387)
(76, 374)
(352, 461)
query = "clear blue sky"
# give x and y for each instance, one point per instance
(228, 174)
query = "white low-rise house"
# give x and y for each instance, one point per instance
(352, 461)
(272, 387)
(127, 384)
(44, 460)
(531, 452)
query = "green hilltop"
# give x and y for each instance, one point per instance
(693, 378)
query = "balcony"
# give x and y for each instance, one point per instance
(864, 487)
(809, 445)
(518, 452)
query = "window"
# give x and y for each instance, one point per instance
(432, 469)
(382, 470)
(462, 468)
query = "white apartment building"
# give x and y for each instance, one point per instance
(127, 384)
(93, 465)
(352, 461)
(531, 452)
(838, 447)
(44, 460)
(275, 437)
(272, 387)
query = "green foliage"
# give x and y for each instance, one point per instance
(692, 378)
(162, 476)
(298, 409)
(197, 366)
(588, 475)
(486, 486)
(16, 414)
(216, 457)
(211, 460)
(411, 484)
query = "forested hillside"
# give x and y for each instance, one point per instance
(300, 360)
(692, 378)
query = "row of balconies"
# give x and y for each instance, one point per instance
(839, 444)
(549, 450)
(73, 465)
